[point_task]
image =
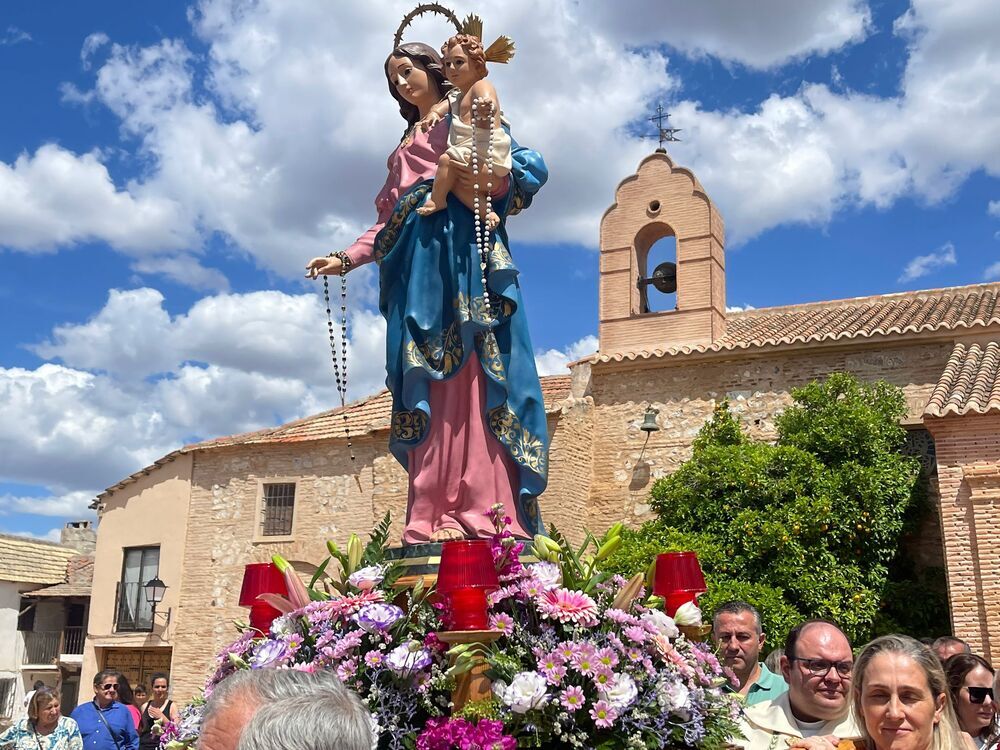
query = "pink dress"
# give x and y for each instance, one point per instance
(460, 469)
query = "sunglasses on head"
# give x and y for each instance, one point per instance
(109, 686)
(979, 694)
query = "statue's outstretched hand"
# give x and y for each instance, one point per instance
(432, 119)
(323, 266)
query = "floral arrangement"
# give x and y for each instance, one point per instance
(583, 659)
(346, 621)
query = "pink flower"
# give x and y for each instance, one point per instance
(572, 699)
(553, 675)
(503, 623)
(603, 677)
(567, 606)
(607, 657)
(603, 714)
(636, 633)
(347, 669)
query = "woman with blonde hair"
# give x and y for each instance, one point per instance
(901, 698)
(44, 728)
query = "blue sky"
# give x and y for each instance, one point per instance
(167, 169)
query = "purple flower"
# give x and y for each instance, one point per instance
(377, 618)
(269, 653)
(374, 658)
(408, 658)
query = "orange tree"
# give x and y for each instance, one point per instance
(807, 526)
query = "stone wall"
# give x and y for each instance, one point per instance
(600, 471)
(685, 390)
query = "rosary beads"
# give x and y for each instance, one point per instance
(340, 368)
(483, 109)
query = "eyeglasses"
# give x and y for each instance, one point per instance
(110, 686)
(979, 694)
(820, 667)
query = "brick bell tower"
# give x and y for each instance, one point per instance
(661, 200)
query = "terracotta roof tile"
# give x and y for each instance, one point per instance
(970, 382)
(953, 309)
(363, 417)
(27, 560)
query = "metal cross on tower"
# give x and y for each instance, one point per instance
(664, 134)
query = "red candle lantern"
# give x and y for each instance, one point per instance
(261, 578)
(465, 575)
(678, 579)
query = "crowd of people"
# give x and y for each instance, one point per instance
(117, 718)
(898, 694)
(812, 693)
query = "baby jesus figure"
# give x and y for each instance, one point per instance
(474, 132)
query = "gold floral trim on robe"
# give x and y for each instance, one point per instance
(489, 355)
(500, 259)
(442, 353)
(389, 233)
(525, 448)
(409, 426)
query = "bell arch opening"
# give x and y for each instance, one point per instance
(656, 260)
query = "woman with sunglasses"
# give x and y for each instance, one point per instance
(970, 681)
(45, 728)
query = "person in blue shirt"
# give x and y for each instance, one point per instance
(739, 637)
(104, 722)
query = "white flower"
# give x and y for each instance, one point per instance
(546, 573)
(366, 578)
(674, 697)
(284, 625)
(688, 614)
(661, 623)
(526, 691)
(621, 692)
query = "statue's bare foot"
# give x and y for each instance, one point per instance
(492, 221)
(447, 535)
(428, 208)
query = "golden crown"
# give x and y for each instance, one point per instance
(500, 51)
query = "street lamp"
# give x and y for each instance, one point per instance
(155, 589)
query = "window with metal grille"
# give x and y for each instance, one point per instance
(279, 504)
(6, 697)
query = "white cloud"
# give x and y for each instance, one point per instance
(762, 34)
(739, 308)
(923, 265)
(555, 361)
(992, 273)
(134, 383)
(993, 209)
(13, 36)
(73, 504)
(56, 198)
(801, 158)
(53, 535)
(91, 44)
(275, 138)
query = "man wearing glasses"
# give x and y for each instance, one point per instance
(815, 713)
(104, 722)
